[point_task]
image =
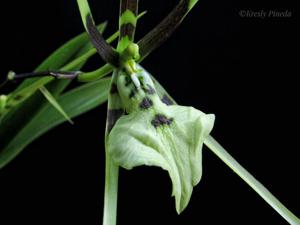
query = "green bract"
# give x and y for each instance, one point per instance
(157, 134)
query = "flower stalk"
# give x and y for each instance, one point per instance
(263, 192)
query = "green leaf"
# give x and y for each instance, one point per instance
(74, 48)
(55, 104)
(74, 102)
(22, 114)
(19, 117)
(77, 46)
(3, 99)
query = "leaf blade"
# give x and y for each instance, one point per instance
(18, 117)
(55, 104)
(63, 54)
(87, 96)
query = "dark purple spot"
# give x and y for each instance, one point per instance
(160, 120)
(132, 93)
(149, 90)
(127, 29)
(165, 99)
(127, 81)
(113, 89)
(112, 116)
(146, 103)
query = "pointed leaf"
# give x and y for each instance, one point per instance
(74, 102)
(75, 48)
(55, 104)
(71, 49)
(19, 117)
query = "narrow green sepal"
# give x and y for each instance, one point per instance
(128, 17)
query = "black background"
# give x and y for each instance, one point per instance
(241, 69)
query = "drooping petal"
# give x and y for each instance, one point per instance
(170, 137)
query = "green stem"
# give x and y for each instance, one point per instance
(216, 148)
(79, 60)
(96, 74)
(110, 192)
